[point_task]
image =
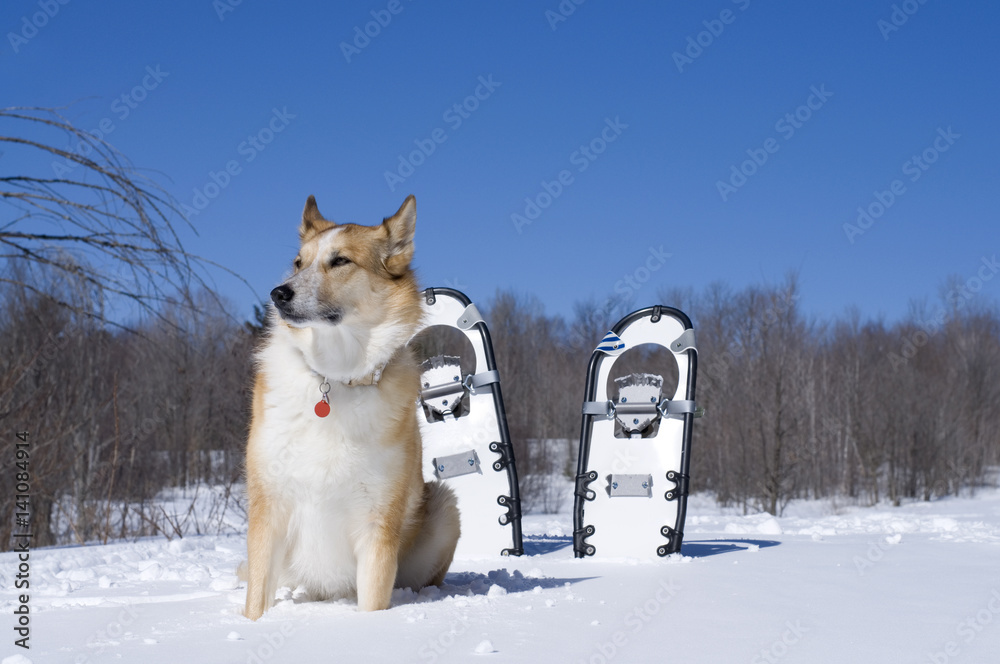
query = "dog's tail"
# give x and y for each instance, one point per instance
(427, 561)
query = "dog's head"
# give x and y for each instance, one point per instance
(349, 274)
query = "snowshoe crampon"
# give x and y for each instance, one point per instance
(632, 475)
(464, 429)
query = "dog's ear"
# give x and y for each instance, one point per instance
(313, 222)
(399, 230)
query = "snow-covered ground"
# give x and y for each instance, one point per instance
(919, 583)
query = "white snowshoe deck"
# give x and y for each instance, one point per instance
(464, 428)
(632, 475)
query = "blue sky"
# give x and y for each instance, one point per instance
(618, 123)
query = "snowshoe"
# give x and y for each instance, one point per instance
(631, 490)
(464, 428)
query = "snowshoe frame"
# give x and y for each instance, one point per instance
(599, 410)
(450, 307)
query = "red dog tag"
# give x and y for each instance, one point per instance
(322, 408)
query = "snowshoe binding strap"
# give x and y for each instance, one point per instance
(442, 385)
(638, 396)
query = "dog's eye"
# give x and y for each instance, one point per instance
(337, 261)
(298, 262)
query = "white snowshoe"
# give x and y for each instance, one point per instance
(464, 428)
(638, 445)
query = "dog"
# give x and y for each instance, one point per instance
(337, 500)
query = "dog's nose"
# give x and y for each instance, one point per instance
(282, 295)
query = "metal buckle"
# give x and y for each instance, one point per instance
(605, 409)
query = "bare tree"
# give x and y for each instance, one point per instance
(79, 207)
(89, 245)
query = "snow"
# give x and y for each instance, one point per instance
(823, 583)
(484, 648)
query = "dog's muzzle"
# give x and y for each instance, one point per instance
(282, 297)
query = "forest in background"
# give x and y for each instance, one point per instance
(137, 418)
(855, 409)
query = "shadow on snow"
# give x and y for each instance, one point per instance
(706, 548)
(535, 545)
(541, 544)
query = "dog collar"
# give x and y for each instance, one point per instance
(370, 379)
(322, 408)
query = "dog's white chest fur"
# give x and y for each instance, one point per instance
(326, 473)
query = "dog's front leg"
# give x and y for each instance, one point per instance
(262, 554)
(377, 562)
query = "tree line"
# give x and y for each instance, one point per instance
(132, 376)
(859, 409)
